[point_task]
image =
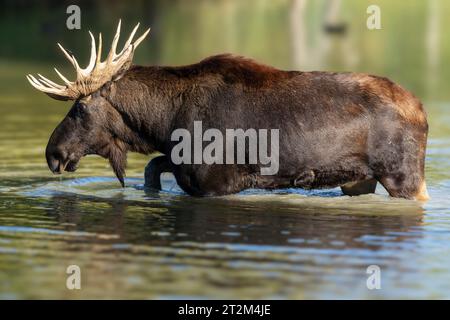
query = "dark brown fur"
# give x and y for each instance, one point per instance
(335, 128)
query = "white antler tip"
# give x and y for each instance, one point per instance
(93, 76)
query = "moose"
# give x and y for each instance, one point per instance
(347, 130)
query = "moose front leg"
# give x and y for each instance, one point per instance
(153, 171)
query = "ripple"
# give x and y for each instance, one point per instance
(15, 229)
(308, 200)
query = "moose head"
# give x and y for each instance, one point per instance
(93, 124)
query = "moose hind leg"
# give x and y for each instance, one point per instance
(408, 187)
(359, 187)
(153, 172)
(403, 175)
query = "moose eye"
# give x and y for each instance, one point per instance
(82, 109)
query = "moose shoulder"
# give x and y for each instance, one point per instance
(335, 129)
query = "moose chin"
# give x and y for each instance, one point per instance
(335, 129)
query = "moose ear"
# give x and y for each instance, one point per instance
(105, 90)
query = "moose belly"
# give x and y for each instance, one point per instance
(331, 178)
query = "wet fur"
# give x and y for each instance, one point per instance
(335, 128)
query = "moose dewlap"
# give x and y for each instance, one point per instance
(334, 129)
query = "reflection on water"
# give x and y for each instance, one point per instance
(285, 244)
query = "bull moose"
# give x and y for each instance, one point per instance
(335, 129)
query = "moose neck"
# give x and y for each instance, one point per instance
(148, 99)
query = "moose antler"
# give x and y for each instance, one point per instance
(96, 74)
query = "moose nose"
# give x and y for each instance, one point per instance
(55, 158)
(53, 164)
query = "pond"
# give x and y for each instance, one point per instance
(289, 243)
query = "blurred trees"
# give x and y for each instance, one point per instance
(289, 34)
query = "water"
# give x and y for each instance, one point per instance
(257, 244)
